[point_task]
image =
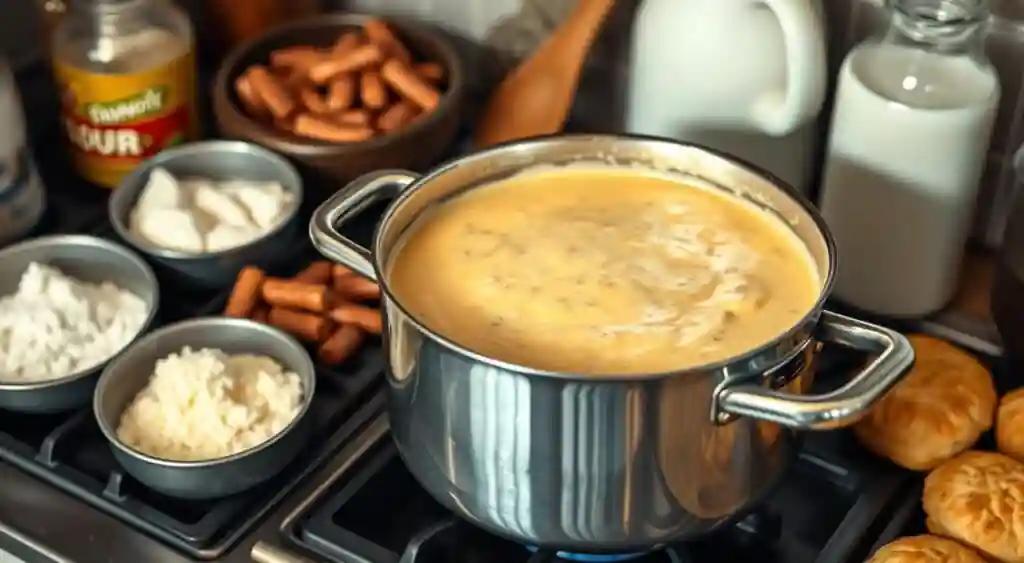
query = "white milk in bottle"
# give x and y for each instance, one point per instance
(910, 130)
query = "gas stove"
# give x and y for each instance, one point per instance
(350, 499)
(829, 509)
(836, 505)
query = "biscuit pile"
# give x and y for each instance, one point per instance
(974, 500)
(941, 408)
(925, 549)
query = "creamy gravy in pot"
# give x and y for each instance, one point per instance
(603, 271)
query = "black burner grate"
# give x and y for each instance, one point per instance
(70, 452)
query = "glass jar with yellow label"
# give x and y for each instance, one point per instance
(126, 73)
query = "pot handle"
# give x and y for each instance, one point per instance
(841, 407)
(347, 202)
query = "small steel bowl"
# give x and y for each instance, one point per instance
(218, 161)
(124, 378)
(88, 259)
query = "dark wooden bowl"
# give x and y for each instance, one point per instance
(329, 166)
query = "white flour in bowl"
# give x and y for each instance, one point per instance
(55, 325)
(206, 404)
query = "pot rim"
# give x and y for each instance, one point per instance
(810, 318)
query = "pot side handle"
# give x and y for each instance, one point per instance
(346, 203)
(838, 408)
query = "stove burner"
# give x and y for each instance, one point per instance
(820, 514)
(592, 557)
(670, 554)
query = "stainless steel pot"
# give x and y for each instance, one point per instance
(594, 465)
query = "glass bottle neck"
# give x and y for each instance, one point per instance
(107, 8)
(944, 26)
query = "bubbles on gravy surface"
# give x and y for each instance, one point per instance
(603, 271)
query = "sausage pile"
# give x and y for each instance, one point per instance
(367, 83)
(323, 305)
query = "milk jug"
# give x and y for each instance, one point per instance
(746, 77)
(913, 115)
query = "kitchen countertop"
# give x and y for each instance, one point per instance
(967, 319)
(972, 299)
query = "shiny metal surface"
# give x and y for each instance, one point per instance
(123, 378)
(837, 408)
(349, 202)
(219, 161)
(266, 553)
(610, 464)
(89, 259)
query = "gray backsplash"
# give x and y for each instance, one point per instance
(21, 34)
(848, 22)
(514, 26)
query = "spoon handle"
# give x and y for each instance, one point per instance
(584, 23)
(536, 97)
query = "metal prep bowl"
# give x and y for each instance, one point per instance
(219, 161)
(88, 259)
(124, 378)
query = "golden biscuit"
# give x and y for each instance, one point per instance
(940, 409)
(1010, 424)
(978, 499)
(925, 549)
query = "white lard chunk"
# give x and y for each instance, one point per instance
(224, 209)
(161, 190)
(266, 201)
(173, 229)
(225, 236)
(199, 215)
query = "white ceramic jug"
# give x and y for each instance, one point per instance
(746, 77)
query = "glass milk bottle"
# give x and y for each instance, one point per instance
(910, 129)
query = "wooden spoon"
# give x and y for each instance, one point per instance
(536, 97)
